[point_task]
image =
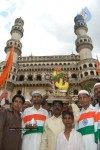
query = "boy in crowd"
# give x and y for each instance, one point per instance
(69, 139)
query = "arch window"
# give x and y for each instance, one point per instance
(10, 43)
(85, 40)
(21, 78)
(84, 66)
(91, 72)
(81, 75)
(86, 73)
(31, 64)
(30, 77)
(13, 77)
(74, 76)
(90, 65)
(35, 64)
(38, 77)
(80, 68)
(95, 65)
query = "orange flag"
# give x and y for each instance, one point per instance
(5, 74)
(98, 65)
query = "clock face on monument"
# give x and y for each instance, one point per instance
(47, 77)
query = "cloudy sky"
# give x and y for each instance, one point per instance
(48, 25)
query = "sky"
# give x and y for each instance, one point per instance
(48, 25)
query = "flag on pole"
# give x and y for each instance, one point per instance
(5, 74)
(98, 65)
(86, 15)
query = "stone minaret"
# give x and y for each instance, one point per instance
(16, 35)
(83, 42)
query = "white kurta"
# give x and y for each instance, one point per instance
(97, 106)
(85, 126)
(75, 141)
(97, 129)
(32, 138)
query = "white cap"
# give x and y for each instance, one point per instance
(83, 92)
(36, 92)
(96, 85)
(27, 100)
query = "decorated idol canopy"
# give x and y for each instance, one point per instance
(60, 85)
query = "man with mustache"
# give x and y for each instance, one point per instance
(33, 119)
(53, 126)
(85, 124)
(97, 95)
(97, 115)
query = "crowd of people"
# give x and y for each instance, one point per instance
(33, 125)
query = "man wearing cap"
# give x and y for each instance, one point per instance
(11, 124)
(26, 104)
(97, 115)
(97, 95)
(85, 124)
(33, 122)
(53, 126)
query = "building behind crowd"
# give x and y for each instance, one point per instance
(34, 72)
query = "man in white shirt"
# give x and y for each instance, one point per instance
(85, 124)
(33, 122)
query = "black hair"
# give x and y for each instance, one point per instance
(67, 113)
(20, 96)
(57, 101)
(44, 102)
